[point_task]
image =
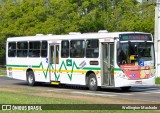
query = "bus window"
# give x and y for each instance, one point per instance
(92, 48)
(22, 49)
(11, 49)
(34, 49)
(77, 49)
(52, 54)
(121, 58)
(57, 54)
(44, 48)
(65, 49)
(134, 52)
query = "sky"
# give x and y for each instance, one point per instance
(139, 0)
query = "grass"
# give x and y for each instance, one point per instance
(3, 71)
(12, 98)
(18, 98)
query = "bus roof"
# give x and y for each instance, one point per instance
(72, 35)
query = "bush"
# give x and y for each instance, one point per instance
(158, 80)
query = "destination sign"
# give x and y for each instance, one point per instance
(127, 37)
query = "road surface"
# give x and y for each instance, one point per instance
(149, 94)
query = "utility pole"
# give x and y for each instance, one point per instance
(157, 37)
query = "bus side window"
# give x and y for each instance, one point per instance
(72, 50)
(52, 55)
(57, 54)
(65, 49)
(77, 49)
(11, 49)
(44, 48)
(34, 49)
(92, 48)
(22, 49)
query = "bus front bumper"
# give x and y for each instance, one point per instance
(122, 82)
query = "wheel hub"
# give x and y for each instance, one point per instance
(92, 82)
(30, 78)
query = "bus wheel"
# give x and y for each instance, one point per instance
(92, 82)
(125, 88)
(30, 78)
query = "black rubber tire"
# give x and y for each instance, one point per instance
(125, 88)
(92, 82)
(31, 78)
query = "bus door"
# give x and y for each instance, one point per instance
(54, 62)
(107, 64)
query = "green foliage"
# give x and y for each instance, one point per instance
(30, 17)
(158, 80)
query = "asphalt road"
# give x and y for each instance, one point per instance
(149, 94)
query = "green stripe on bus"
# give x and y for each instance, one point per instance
(88, 68)
(17, 65)
(117, 69)
(45, 73)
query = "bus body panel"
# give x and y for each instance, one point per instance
(73, 71)
(38, 65)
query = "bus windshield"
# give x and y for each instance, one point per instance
(135, 53)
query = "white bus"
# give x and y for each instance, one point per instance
(103, 59)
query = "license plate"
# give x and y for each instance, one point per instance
(138, 82)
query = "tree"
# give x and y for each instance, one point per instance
(30, 17)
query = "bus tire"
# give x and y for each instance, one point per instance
(92, 82)
(125, 88)
(31, 78)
